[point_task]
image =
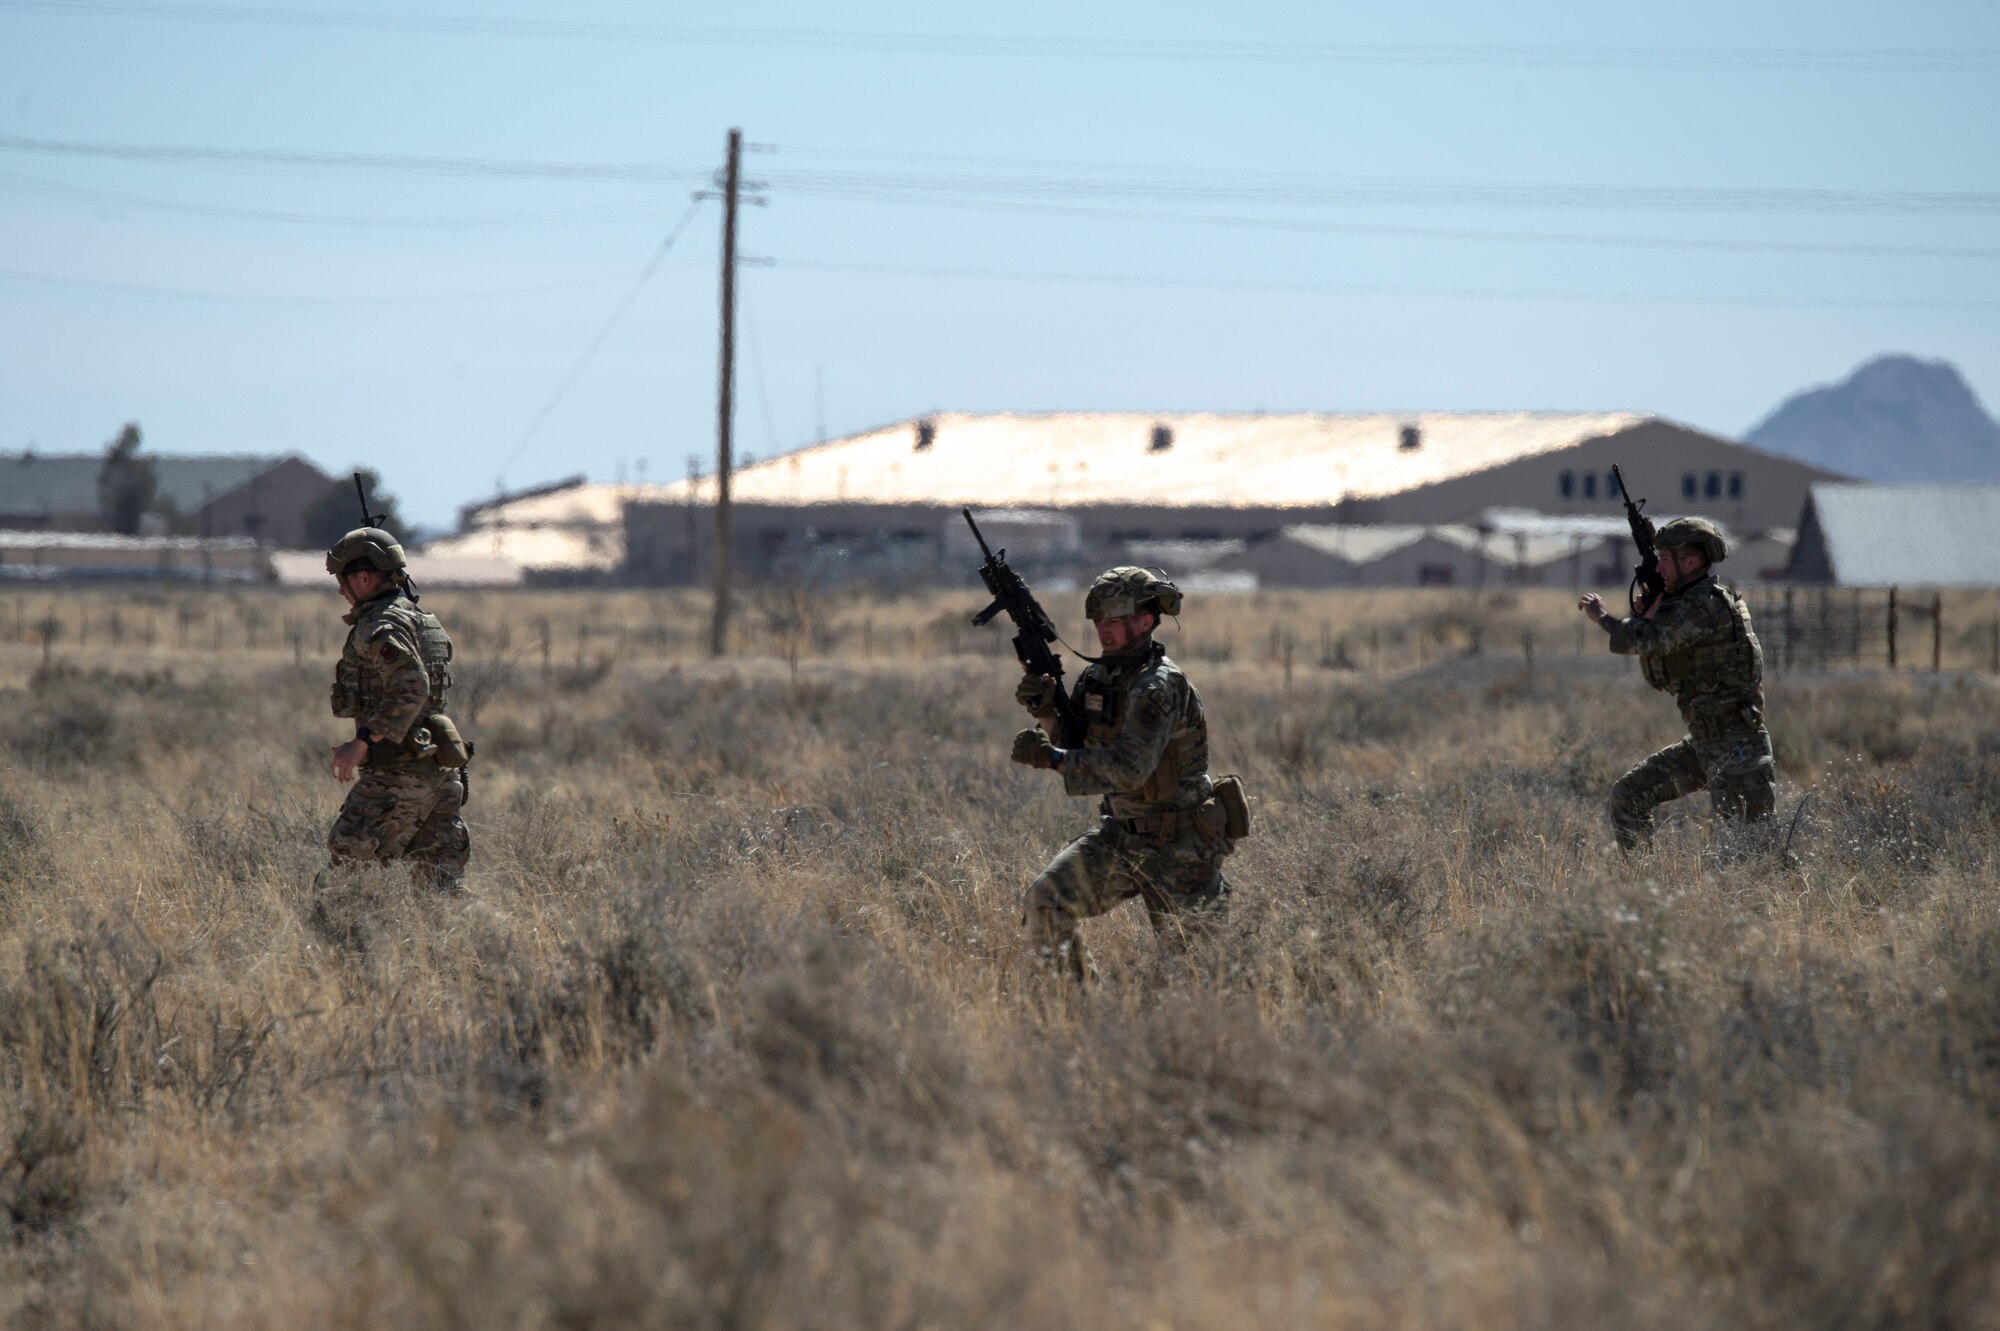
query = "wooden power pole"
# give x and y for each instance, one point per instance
(718, 633)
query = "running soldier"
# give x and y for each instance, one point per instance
(1695, 642)
(1164, 831)
(393, 681)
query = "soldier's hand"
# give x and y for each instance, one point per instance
(1032, 748)
(1592, 606)
(1037, 693)
(347, 757)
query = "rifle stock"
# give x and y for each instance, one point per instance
(1034, 630)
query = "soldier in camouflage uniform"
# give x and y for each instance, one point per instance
(1145, 752)
(393, 681)
(1695, 642)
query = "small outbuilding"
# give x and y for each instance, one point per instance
(1899, 535)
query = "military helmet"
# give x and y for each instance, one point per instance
(369, 547)
(1127, 590)
(1696, 533)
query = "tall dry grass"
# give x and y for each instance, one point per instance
(732, 1026)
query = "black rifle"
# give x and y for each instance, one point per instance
(1034, 630)
(1647, 586)
(367, 519)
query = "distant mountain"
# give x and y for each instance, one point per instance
(1897, 418)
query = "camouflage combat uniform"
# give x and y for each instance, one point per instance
(394, 680)
(1145, 751)
(1698, 645)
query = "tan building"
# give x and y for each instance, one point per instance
(265, 498)
(566, 532)
(1134, 478)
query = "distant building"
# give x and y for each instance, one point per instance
(1479, 554)
(307, 568)
(1128, 478)
(1899, 535)
(68, 556)
(265, 498)
(565, 532)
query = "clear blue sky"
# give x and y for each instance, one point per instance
(1120, 144)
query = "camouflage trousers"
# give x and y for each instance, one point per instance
(1735, 768)
(1179, 878)
(405, 814)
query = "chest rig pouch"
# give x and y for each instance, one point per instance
(435, 646)
(357, 689)
(1728, 663)
(1105, 698)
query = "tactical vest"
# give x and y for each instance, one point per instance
(1103, 696)
(1729, 664)
(357, 690)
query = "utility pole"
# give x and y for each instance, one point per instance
(718, 633)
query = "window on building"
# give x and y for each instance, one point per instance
(1566, 484)
(1712, 487)
(1434, 575)
(1735, 485)
(1690, 485)
(1590, 485)
(1610, 485)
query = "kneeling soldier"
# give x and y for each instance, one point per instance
(393, 681)
(1145, 751)
(1695, 642)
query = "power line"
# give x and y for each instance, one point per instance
(1656, 58)
(270, 298)
(609, 212)
(618, 312)
(1274, 189)
(384, 163)
(1261, 188)
(637, 208)
(1361, 289)
(1845, 249)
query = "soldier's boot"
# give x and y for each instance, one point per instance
(1743, 807)
(1059, 949)
(438, 855)
(1071, 960)
(1632, 827)
(1633, 798)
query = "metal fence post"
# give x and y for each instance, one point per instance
(1892, 628)
(1937, 632)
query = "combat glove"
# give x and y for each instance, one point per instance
(1037, 694)
(1032, 748)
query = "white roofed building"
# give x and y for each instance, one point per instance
(567, 531)
(1133, 477)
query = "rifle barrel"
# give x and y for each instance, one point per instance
(984, 549)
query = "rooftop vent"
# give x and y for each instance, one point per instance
(1163, 439)
(1409, 439)
(926, 434)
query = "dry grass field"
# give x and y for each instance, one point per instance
(731, 1027)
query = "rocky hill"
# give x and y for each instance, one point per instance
(1897, 418)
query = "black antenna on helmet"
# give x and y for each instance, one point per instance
(367, 519)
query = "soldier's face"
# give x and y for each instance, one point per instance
(1118, 635)
(358, 585)
(1678, 567)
